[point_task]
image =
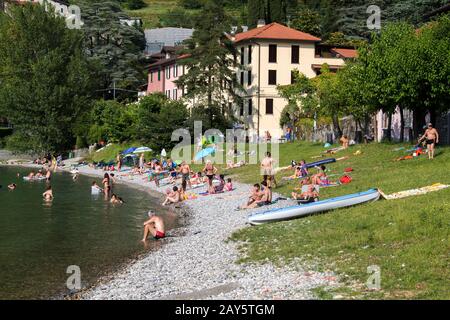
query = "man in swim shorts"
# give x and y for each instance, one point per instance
(155, 226)
(267, 169)
(185, 171)
(431, 137)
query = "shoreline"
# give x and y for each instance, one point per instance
(200, 262)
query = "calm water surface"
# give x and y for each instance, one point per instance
(39, 240)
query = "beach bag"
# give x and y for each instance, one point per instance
(345, 179)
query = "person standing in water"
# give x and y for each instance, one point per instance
(155, 226)
(431, 137)
(106, 183)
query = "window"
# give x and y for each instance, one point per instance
(295, 54)
(175, 71)
(242, 55)
(242, 78)
(159, 75)
(241, 109)
(175, 94)
(269, 106)
(249, 77)
(250, 107)
(272, 53)
(292, 76)
(249, 54)
(272, 77)
(151, 77)
(168, 94)
(168, 73)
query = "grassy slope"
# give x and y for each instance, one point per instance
(150, 14)
(408, 239)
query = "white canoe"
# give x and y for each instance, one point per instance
(314, 207)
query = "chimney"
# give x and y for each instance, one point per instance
(261, 23)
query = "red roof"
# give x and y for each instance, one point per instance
(275, 31)
(345, 53)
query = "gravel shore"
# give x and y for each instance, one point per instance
(197, 261)
(201, 264)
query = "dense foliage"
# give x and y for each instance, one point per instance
(45, 79)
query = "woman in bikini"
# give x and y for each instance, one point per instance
(106, 183)
(210, 170)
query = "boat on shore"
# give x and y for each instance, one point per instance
(298, 211)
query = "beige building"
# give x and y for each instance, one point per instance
(269, 54)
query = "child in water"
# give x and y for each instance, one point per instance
(48, 194)
(116, 200)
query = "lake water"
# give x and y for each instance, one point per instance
(38, 240)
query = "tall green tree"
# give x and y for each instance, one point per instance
(256, 11)
(157, 118)
(308, 21)
(210, 79)
(45, 79)
(114, 47)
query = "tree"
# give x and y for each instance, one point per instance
(209, 60)
(112, 121)
(256, 11)
(114, 47)
(277, 11)
(432, 58)
(157, 118)
(308, 21)
(45, 78)
(301, 99)
(393, 70)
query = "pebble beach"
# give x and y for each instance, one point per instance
(199, 263)
(196, 261)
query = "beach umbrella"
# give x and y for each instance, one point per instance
(142, 150)
(129, 150)
(163, 153)
(203, 153)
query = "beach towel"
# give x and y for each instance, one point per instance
(414, 192)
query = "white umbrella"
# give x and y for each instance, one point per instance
(163, 153)
(142, 150)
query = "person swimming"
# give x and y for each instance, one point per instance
(116, 199)
(48, 194)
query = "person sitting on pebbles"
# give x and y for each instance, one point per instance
(172, 196)
(155, 226)
(261, 198)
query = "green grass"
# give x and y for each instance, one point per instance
(155, 8)
(150, 14)
(408, 239)
(110, 153)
